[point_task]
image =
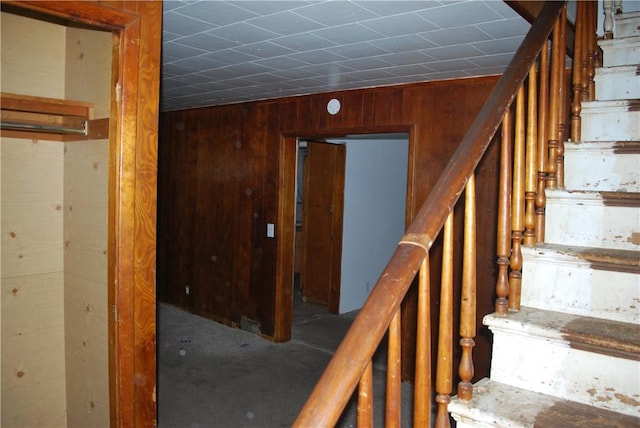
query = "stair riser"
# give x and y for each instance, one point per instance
(599, 168)
(627, 25)
(620, 52)
(617, 83)
(563, 283)
(555, 368)
(610, 121)
(576, 219)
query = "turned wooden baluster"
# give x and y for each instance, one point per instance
(576, 78)
(468, 304)
(445, 331)
(562, 102)
(592, 57)
(393, 399)
(503, 250)
(365, 398)
(422, 386)
(592, 25)
(517, 205)
(595, 58)
(554, 108)
(543, 105)
(531, 159)
(584, 71)
(607, 9)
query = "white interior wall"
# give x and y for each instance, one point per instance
(374, 213)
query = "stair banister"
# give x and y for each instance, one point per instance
(343, 373)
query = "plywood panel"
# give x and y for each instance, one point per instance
(32, 207)
(33, 363)
(86, 166)
(33, 366)
(88, 68)
(33, 56)
(88, 78)
(86, 351)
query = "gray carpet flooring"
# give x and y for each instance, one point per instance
(211, 375)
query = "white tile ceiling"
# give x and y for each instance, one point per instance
(220, 52)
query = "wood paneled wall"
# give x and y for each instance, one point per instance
(220, 169)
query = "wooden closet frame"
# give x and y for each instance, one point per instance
(133, 132)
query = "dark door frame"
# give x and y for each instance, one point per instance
(286, 205)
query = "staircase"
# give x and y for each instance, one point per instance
(571, 355)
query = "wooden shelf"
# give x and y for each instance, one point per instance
(25, 116)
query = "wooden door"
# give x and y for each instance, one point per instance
(322, 223)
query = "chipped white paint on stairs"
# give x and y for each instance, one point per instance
(549, 363)
(573, 349)
(593, 219)
(615, 83)
(610, 120)
(602, 166)
(620, 51)
(627, 25)
(558, 279)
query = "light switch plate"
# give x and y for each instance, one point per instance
(271, 230)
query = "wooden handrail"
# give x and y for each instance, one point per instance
(340, 378)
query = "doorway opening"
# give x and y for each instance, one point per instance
(350, 213)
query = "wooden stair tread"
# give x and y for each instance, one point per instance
(610, 198)
(600, 258)
(619, 147)
(498, 404)
(607, 337)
